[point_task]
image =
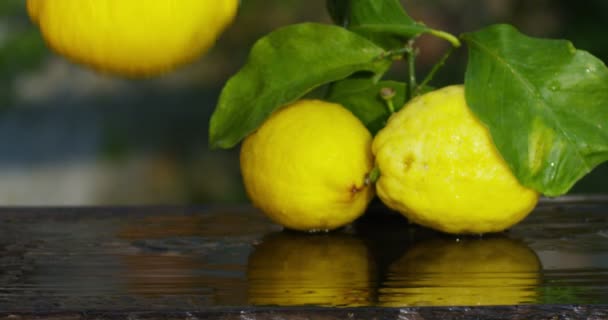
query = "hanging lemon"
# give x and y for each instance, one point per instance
(130, 37)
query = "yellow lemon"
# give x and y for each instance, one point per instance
(440, 168)
(306, 166)
(131, 37)
(440, 272)
(289, 269)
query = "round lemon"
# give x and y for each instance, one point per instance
(440, 272)
(306, 166)
(131, 37)
(289, 269)
(440, 168)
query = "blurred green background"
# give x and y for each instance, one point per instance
(71, 136)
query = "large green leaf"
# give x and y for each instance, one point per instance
(544, 102)
(282, 67)
(362, 97)
(385, 22)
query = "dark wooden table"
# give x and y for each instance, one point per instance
(229, 262)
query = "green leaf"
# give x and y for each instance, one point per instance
(282, 67)
(544, 102)
(384, 22)
(362, 97)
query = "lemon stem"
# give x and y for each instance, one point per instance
(411, 64)
(433, 71)
(372, 176)
(390, 106)
(446, 36)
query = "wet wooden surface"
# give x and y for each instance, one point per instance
(549, 312)
(232, 263)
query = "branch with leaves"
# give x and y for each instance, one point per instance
(545, 102)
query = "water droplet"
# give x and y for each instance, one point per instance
(588, 70)
(554, 85)
(190, 316)
(552, 164)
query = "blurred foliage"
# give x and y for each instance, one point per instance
(11, 7)
(21, 47)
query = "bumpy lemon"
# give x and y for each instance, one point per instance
(440, 272)
(440, 168)
(132, 37)
(306, 166)
(289, 269)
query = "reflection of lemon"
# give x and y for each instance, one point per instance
(289, 269)
(131, 37)
(305, 167)
(493, 271)
(441, 169)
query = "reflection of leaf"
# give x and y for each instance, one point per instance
(284, 66)
(565, 295)
(362, 97)
(545, 103)
(385, 22)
